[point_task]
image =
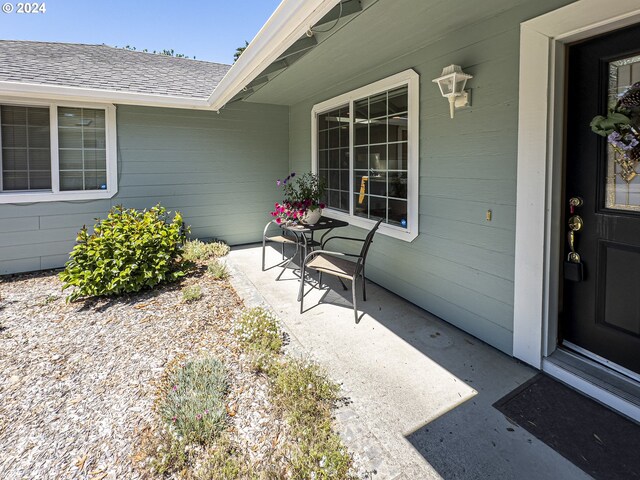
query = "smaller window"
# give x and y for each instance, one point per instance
(56, 152)
(82, 149)
(26, 148)
(365, 149)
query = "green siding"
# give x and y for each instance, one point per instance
(461, 266)
(217, 169)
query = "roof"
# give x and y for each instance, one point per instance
(107, 68)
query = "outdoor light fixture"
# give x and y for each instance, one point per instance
(451, 83)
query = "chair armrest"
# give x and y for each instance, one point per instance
(342, 238)
(327, 252)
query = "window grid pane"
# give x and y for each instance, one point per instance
(381, 166)
(380, 150)
(26, 148)
(82, 149)
(333, 157)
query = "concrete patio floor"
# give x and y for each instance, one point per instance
(421, 390)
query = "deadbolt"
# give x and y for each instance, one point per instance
(575, 202)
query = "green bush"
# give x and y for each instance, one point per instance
(129, 250)
(195, 402)
(199, 250)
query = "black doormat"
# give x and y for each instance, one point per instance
(602, 443)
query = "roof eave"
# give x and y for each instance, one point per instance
(291, 20)
(79, 94)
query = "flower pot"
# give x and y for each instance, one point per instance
(312, 216)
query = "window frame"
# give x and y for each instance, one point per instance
(411, 80)
(55, 194)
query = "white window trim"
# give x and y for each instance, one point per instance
(55, 195)
(412, 80)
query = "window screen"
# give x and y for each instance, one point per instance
(82, 149)
(26, 148)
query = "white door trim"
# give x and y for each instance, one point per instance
(538, 232)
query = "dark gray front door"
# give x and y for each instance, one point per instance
(601, 313)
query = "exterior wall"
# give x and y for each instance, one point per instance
(460, 267)
(217, 169)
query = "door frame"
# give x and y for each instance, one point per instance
(540, 153)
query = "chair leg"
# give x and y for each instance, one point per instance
(364, 286)
(320, 280)
(355, 300)
(264, 244)
(301, 291)
(283, 251)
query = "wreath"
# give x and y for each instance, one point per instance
(621, 127)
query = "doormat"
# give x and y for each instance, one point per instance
(599, 441)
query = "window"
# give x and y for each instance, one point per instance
(56, 152)
(365, 149)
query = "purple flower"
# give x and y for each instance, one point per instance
(278, 182)
(198, 416)
(293, 174)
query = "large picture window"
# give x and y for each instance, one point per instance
(56, 152)
(365, 149)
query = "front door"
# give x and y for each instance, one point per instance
(600, 307)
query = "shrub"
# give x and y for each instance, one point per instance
(258, 329)
(191, 293)
(199, 250)
(195, 402)
(217, 269)
(129, 250)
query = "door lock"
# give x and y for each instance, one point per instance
(575, 202)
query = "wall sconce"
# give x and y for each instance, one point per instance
(451, 83)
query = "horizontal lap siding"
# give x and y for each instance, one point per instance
(461, 266)
(217, 169)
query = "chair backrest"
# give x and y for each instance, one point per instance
(367, 243)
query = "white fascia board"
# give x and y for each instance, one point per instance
(80, 94)
(291, 20)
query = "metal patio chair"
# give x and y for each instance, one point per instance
(339, 265)
(283, 240)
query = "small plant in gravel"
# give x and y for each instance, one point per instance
(307, 396)
(217, 269)
(199, 250)
(195, 405)
(191, 293)
(128, 251)
(226, 462)
(259, 330)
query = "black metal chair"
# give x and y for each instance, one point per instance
(339, 265)
(283, 240)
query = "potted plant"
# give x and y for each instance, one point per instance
(301, 199)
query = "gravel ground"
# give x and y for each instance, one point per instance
(78, 381)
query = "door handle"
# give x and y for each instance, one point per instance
(575, 225)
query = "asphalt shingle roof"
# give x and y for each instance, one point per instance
(107, 68)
